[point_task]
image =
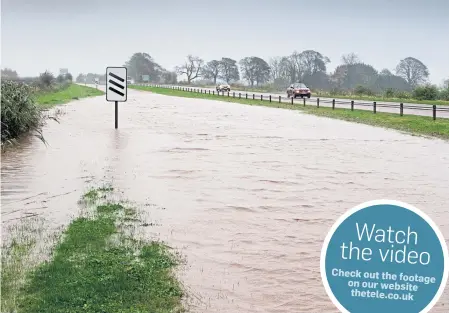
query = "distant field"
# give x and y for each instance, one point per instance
(419, 125)
(72, 92)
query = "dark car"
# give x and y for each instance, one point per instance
(298, 90)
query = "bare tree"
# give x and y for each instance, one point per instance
(191, 68)
(413, 71)
(350, 59)
(275, 66)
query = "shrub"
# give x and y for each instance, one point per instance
(19, 113)
(69, 77)
(337, 92)
(362, 90)
(389, 93)
(46, 79)
(403, 95)
(428, 92)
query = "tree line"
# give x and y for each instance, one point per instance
(309, 67)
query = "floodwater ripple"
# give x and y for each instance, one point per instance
(246, 193)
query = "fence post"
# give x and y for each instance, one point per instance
(317, 102)
(279, 99)
(304, 101)
(401, 109)
(270, 98)
(240, 95)
(253, 97)
(246, 95)
(261, 97)
(352, 105)
(213, 92)
(233, 94)
(292, 99)
(333, 104)
(434, 109)
(228, 93)
(374, 107)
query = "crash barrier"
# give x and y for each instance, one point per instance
(401, 107)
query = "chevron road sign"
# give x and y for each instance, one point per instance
(116, 87)
(116, 84)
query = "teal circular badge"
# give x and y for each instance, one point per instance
(384, 256)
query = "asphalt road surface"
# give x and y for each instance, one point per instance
(388, 107)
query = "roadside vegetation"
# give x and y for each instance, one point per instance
(99, 263)
(418, 125)
(23, 101)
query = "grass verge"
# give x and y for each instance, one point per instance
(99, 265)
(72, 92)
(419, 125)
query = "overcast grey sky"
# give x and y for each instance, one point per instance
(89, 35)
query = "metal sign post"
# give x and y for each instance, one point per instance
(116, 87)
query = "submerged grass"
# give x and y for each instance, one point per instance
(419, 125)
(19, 255)
(99, 265)
(72, 92)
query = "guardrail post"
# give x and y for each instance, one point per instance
(228, 93)
(352, 105)
(270, 98)
(292, 100)
(304, 101)
(317, 102)
(279, 99)
(261, 97)
(374, 107)
(240, 95)
(213, 92)
(233, 94)
(246, 95)
(434, 109)
(333, 104)
(253, 96)
(401, 109)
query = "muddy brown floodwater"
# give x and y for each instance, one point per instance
(246, 193)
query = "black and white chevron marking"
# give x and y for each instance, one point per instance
(118, 85)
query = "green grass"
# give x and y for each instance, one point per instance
(100, 266)
(419, 125)
(72, 92)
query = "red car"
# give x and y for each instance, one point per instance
(298, 90)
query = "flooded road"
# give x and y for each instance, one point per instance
(246, 193)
